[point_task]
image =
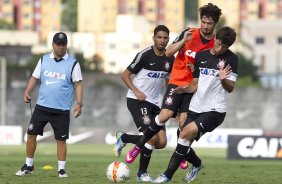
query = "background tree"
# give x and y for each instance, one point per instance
(248, 72)
(69, 15)
(191, 11)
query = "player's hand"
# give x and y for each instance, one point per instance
(141, 96)
(188, 35)
(26, 97)
(179, 89)
(224, 72)
(77, 111)
(191, 66)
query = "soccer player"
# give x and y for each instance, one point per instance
(187, 44)
(214, 76)
(58, 73)
(145, 77)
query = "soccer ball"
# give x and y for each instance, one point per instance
(118, 172)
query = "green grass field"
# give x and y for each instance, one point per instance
(88, 163)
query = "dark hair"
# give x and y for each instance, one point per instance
(210, 10)
(161, 28)
(226, 35)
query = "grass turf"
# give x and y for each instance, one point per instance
(87, 163)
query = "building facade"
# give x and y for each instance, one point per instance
(41, 16)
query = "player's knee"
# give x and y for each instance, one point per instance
(31, 137)
(164, 115)
(189, 132)
(161, 144)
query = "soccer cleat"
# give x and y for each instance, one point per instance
(144, 177)
(119, 144)
(193, 173)
(184, 165)
(62, 174)
(132, 154)
(25, 170)
(161, 179)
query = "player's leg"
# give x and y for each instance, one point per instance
(140, 114)
(153, 129)
(169, 107)
(157, 142)
(181, 118)
(142, 121)
(206, 122)
(61, 154)
(60, 124)
(36, 126)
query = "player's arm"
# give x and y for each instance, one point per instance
(126, 77)
(227, 84)
(190, 88)
(32, 82)
(178, 43)
(29, 88)
(79, 95)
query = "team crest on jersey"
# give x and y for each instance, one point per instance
(168, 100)
(167, 65)
(221, 63)
(30, 127)
(146, 119)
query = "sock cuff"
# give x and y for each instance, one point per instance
(158, 121)
(149, 146)
(29, 161)
(183, 142)
(62, 162)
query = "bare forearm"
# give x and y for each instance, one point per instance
(29, 88)
(79, 91)
(173, 48)
(228, 85)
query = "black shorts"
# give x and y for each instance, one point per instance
(177, 103)
(59, 120)
(206, 121)
(143, 113)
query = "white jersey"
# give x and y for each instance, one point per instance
(149, 72)
(210, 95)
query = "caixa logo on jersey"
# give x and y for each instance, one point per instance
(156, 75)
(254, 147)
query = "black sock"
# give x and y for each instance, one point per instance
(192, 158)
(175, 160)
(145, 157)
(148, 134)
(128, 138)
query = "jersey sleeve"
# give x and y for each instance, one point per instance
(233, 62)
(76, 73)
(180, 36)
(37, 70)
(138, 63)
(196, 73)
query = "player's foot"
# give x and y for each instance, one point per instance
(25, 170)
(193, 173)
(62, 173)
(184, 165)
(132, 154)
(119, 144)
(161, 179)
(144, 177)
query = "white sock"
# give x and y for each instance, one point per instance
(149, 146)
(183, 142)
(61, 165)
(158, 121)
(29, 161)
